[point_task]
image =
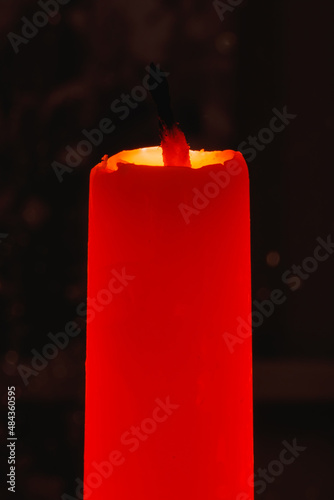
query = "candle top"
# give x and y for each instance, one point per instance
(152, 156)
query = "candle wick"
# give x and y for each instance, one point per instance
(161, 97)
(175, 149)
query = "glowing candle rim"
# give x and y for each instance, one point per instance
(152, 156)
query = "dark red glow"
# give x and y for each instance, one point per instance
(175, 149)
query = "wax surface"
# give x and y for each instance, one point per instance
(168, 406)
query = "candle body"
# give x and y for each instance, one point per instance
(168, 393)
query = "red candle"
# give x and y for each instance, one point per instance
(168, 406)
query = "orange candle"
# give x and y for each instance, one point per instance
(168, 407)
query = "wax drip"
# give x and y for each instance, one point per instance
(175, 149)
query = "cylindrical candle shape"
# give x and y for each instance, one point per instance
(169, 359)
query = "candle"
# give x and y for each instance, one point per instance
(168, 407)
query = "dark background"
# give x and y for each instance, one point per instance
(225, 79)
